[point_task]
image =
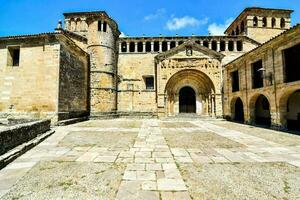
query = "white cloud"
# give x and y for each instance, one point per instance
(123, 35)
(158, 14)
(218, 29)
(180, 23)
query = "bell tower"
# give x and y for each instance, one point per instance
(102, 34)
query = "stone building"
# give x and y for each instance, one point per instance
(86, 68)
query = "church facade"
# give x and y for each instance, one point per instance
(86, 69)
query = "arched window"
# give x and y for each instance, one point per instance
(242, 26)
(140, 47)
(156, 46)
(222, 45)
(239, 45)
(148, 46)
(264, 22)
(273, 22)
(104, 26)
(282, 23)
(214, 45)
(230, 45)
(172, 44)
(237, 31)
(124, 47)
(132, 47)
(164, 46)
(255, 22)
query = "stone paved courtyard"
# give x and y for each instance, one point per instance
(157, 159)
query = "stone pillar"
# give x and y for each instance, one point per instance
(226, 45)
(218, 46)
(169, 45)
(209, 44)
(152, 46)
(135, 47)
(201, 42)
(127, 47)
(160, 46)
(144, 47)
(234, 45)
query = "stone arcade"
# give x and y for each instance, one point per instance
(86, 69)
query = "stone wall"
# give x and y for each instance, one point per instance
(73, 98)
(275, 89)
(19, 134)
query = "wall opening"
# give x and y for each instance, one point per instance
(292, 63)
(257, 79)
(235, 83)
(187, 100)
(180, 42)
(13, 56)
(242, 26)
(149, 81)
(172, 44)
(132, 47)
(148, 46)
(230, 45)
(124, 47)
(239, 45)
(205, 43)
(237, 31)
(104, 26)
(293, 111)
(164, 46)
(273, 22)
(222, 46)
(99, 25)
(264, 22)
(255, 21)
(282, 23)
(214, 45)
(156, 46)
(262, 111)
(239, 110)
(140, 47)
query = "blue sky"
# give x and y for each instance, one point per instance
(135, 17)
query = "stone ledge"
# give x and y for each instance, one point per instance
(11, 155)
(71, 121)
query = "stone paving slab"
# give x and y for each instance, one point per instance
(152, 156)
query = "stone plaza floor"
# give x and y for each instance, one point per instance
(157, 159)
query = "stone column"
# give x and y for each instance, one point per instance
(144, 47)
(152, 46)
(160, 46)
(169, 45)
(209, 44)
(234, 45)
(135, 47)
(127, 47)
(226, 45)
(218, 46)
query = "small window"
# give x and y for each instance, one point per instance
(148, 46)
(99, 26)
(257, 78)
(164, 46)
(104, 26)
(222, 45)
(230, 45)
(172, 44)
(214, 45)
(132, 47)
(149, 83)
(255, 22)
(156, 46)
(282, 23)
(273, 22)
(264, 22)
(124, 47)
(242, 26)
(292, 63)
(14, 56)
(239, 45)
(140, 47)
(235, 81)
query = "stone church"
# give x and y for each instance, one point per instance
(86, 69)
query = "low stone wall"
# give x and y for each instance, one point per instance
(16, 135)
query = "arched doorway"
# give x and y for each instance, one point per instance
(293, 111)
(239, 110)
(262, 111)
(187, 100)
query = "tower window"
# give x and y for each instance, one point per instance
(222, 45)
(257, 79)
(282, 23)
(99, 25)
(230, 45)
(104, 26)
(273, 22)
(149, 83)
(264, 22)
(255, 21)
(14, 56)
(239, 45)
